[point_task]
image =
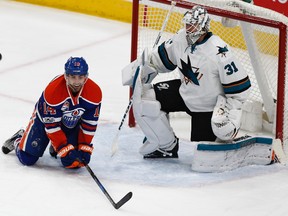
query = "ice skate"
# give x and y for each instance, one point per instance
(10, 144)
(160, 153)
(52, 152)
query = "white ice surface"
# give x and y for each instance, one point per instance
(35, 43)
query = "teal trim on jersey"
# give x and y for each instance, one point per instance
(234, 146)
(193, 46)
(207, 36)
(238, 87)
(164, 57)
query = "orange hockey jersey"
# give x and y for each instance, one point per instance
(58, 108)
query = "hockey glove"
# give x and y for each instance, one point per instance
(85, 152)
(69, 156)
(226, 118)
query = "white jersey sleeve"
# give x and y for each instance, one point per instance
(234, 79)
(165, 57)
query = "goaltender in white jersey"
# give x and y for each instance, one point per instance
(212, 87)
(212, 79)
(208, 69)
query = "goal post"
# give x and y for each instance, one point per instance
(258, 37)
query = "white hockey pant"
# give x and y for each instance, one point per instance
(153, 122)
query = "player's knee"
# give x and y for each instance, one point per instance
(26, 158)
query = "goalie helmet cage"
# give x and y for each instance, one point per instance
(258, 37)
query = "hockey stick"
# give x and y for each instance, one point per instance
(115, 140)
(117, 205)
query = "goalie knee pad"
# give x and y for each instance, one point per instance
(148, 106)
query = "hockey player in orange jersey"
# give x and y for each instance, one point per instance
(66, 115)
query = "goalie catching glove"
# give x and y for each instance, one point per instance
(75, 158)
(226, 118)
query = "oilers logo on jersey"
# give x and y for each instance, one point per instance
(70, 118)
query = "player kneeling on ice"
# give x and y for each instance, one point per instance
(66, 116)
(212, 88)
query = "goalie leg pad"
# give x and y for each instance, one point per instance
(158, 132)
(219, 157)
(153, 122)
(252, 116)
(148, 105)
(150, 108)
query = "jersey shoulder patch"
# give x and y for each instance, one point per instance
(218, 49)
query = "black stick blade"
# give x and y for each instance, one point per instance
(125, 199)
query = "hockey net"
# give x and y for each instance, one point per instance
(258, 37)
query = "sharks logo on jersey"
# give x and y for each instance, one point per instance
(191, 74)
(70, 118)
(222, 51)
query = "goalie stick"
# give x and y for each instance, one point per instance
(115, 140)
(117, 205)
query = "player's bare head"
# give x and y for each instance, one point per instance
(196, 22)
(76, 73)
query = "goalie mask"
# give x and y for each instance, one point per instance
(196, 22)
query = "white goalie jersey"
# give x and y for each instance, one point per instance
(207, 69)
